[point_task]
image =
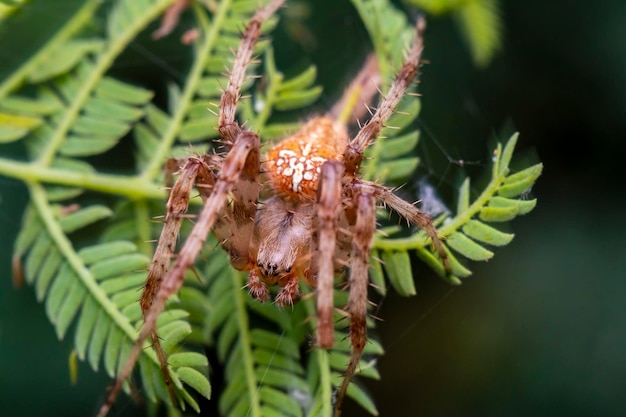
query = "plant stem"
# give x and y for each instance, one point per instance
(128, 186)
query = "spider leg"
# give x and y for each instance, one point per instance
(328, 208)
(240, 216)
(354, 153)
(243, 154)
(228, 126)
(234, 228)
(364, 202)
(171, 282)
(413, 214)
(177, 205)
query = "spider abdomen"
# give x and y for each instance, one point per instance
(294, 164)
(283, 235)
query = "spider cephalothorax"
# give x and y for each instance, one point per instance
(319, 217)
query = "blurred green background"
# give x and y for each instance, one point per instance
(538, 330)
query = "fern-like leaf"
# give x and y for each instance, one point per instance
(85, 238)
(81, 112)
(467, 233)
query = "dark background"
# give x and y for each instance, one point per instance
(538, 330)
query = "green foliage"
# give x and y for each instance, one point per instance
(466, 233)
(479, 22)
(84, 240)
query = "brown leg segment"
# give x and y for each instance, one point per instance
(228, 127)
(364, 230)
(172, 281)
(354, 153)
(412, 214)
(245, 145)
(328, 207)
(177, 205)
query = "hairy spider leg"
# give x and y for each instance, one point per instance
(177, 205)
(364, 196)
(368, 133)
(412, 214)
(328, 209)
(365, 204)
(244, 151)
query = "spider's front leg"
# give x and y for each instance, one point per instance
(364, 204)
(246, 144)
(243, 157)
(412, 214)
(353, 155)
(328, 208)
(177, 205)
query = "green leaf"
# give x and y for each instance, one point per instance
(86, 324)
(481, 25)
(173, 334)
(377, 277)
(71, 304)
(30, 47)
(288, 100)
(11, 134)
(84, 217)
(37, 256)
(468, 248)
(114, 90)
(65, 58)
(302, 81)
(280, 401)
(397, 146)
(195, 379)
(498, 214)
(362, 398)
(100, 252)
(507, 154)
(520, 182)
(464, 197)
(83, 146)
(188, 359)
(58, 291)
(199, 129)
(113, 267)
(99, 336)
(398, 169)
(521, 206)
(487, 234)
(398, 267)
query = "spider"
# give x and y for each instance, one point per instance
(319, 219)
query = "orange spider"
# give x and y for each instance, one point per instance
(319, 219)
